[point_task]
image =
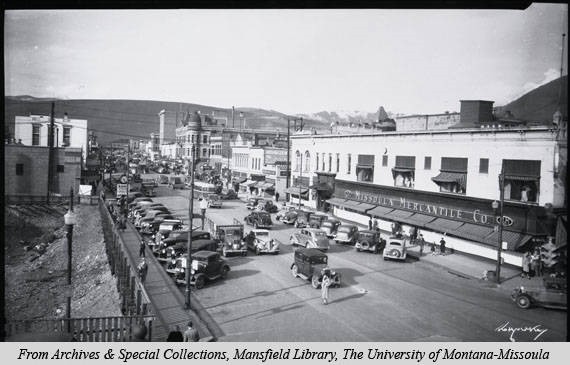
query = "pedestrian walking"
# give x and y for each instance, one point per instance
(536, 263)
(370, 223)
(325, 284)
(421, 242)
(433, 249)
(276, 197)
(142, 248)
(375, 225)
(191, 334)
(175, 335)
(442, 246)
(123, 222)
(142, 269)
(203, 207)
(526, 265)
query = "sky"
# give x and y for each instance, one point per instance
(292, 61)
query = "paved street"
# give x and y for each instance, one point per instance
(378, 301)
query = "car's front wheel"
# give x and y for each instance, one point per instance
(200, 282)
(295, 271)
(523, 301)
(224, 272)
(315, 282)
(257, 251)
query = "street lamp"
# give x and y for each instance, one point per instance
(498, 206)
(70, 220)
(192, 171)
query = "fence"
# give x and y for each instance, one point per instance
(92, 329)
(36, 199)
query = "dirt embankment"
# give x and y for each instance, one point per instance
(35, 283)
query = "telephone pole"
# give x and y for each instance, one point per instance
(50, 153)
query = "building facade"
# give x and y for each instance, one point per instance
(440, 181)
(33, 130)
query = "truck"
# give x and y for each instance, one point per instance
(231, 239)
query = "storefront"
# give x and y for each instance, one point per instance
(466, 218)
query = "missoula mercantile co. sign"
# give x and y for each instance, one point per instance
(450, 207)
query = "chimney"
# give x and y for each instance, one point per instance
(475, 112)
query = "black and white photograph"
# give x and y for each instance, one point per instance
(286, 175)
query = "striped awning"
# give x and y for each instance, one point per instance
(514, 239)
(451, 177)
(294, 190)
(380, 211)
(444, 225)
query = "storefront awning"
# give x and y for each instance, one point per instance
(474, 232)
(415, 219)
(265, 185)
(294, 190)
(321, 187)
(402, 169)
(239, 180)
(359, 207)
(336, 201)
(451, 177)
(514, 239)
(444, 225)
(380, 211)
(521, 178)
(248, 183)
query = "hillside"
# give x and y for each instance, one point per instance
(116, 119)
(539, 104)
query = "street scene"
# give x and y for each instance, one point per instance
(132, 218)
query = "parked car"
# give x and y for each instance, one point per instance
(267, 206)
(133, 195)
(260, 241)
(395, 248)
(206, 266)
(369, 241)
(303, 217)
(148, 190)
(151, 227)
(259, 220)
(198, 245)
(229, 195)
(231, 239)
(346, 234)
(284, 210)
(252, 203)
(316, 220)
(330, 226)
(162, 179)
(176, 182)
(214, 201)
(551, 293)
(134, 202)
(311, 264)
(148, 217)
(166, 227)
(310, 238)
(289, 217)
(178, 237)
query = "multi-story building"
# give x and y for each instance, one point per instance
(33, 130)
(443, 181)
(153, 146)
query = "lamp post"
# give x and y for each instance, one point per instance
(70, 220)
(300, 177)
(498, 206)
(187, 304)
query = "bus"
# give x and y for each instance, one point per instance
(203, 188)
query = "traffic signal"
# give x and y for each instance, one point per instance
(548, 255)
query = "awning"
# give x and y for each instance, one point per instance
(415, 219)
(294, 190)
(451, 177)
(248, 183)
(380, 211)
(265, 185)
(397, 214)
(321, 186)
(521, 178)
(402, 169)
(444, 225)
(474, 232)
(514, 239)
(239, 180)
(336, 201)
(359, 207)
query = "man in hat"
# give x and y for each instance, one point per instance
(191, 334)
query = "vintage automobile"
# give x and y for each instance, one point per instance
(252, 203)
(316, 220)
(267, 206)
(162, 179)
(303, 217)
(148, 216)
(134, 202)
(311, 264)
(231, 239)
(330, 226)
(165, 228)
(147, 189)
(229, 195)
(206, 266)
(175, 238)
(551, 293)
(289, 217)
(395, 248)
(198, 245)
(150, 182)
(310, 238)
(259, 220)
(284, 210)
(150, 225)
(346, 234)
(260, 241)
(369, 241)
(176, 182)
(214, 201)
(133, 195)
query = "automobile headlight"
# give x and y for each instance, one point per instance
(192, 271)
(153, 236)
(522, 289)
(164, 251)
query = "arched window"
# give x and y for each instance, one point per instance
(297, 160)
(307, 161)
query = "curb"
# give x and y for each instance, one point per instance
(451, 271)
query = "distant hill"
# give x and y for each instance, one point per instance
(117, 119)
(539, 105)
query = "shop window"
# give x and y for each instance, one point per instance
(484, 166)
(60, 168)
(349, 163)
(384, 160)
(452, 177)
(66, 136)
(404, 172)
(35, 135)
(365, 168)
(337, 162)
(427, 163)
(19, 169)
(330, 162)
(522, 180)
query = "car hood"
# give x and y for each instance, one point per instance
(322, 242)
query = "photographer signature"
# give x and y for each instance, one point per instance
(506, 327)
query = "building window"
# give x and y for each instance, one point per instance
(317, 161)
(404, 172)
(427, 163)
(349, 163)
(323, 157)
(204, 139)
(307, 161)
(452, 177)
(204, 152)
(522, 180)
(60, 168)
(384, 160)
(66, 136)
(330, 162)
(35, 135)
(365, 168)
(484, 166)
(337, 162)
(19, 169)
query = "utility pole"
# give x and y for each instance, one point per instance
(500, 235)
(187, 304)
(50, 153)
(561, 66)
(233, 117)
(288, 153)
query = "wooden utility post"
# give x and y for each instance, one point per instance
(50, 152)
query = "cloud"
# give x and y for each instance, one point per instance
(549, 75)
